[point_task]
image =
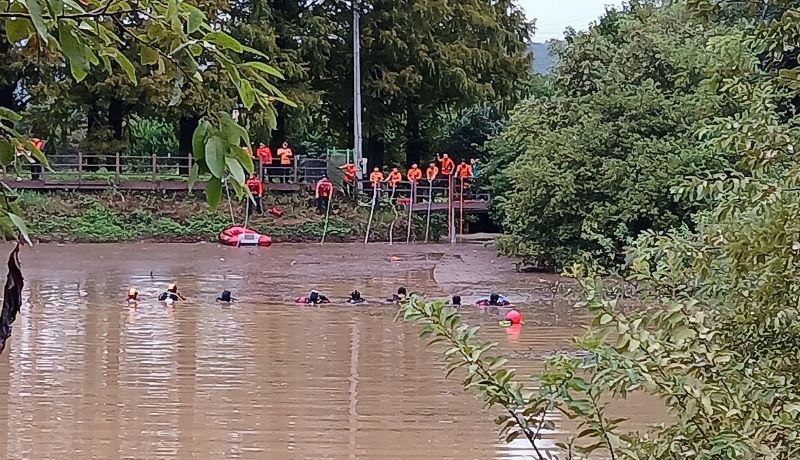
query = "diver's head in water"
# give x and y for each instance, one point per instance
(355, 295)
(225, 297)
(172, 288)
(401, 291)
(494, 299)
(313, 297)
(456, 301)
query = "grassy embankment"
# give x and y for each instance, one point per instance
(181, 217)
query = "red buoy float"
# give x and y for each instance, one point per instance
(514, 316)
(240, 236)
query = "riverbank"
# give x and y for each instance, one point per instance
(86, 217)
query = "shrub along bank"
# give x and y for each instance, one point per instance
(182, 217)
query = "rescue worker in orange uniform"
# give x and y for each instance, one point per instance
(349, 180)
(376, 178)
(431, 173)
(256, 188)
(394, 178)
(285, 154)
(464, 171)
(414, 174)
(447, 164)
(36, 167)
(323, 192)
(264, 155)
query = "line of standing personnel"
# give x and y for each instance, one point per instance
(445, 169)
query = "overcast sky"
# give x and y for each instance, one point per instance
(553, 16)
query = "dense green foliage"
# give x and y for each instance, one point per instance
(714, 334)
(583, 170)
(98, 53)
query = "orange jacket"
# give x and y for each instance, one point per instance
(265, 155)
(255, 186)
(414, 174)
(286, 156)
(349, 172)
(464, 171)
(432, 172)
(324, 188)
(394, 178)
(376, 177)
(447, 166)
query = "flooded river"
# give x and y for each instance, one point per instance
(84, 375)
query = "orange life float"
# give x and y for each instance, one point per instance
(233, 236)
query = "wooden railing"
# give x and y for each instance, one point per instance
(119, 168)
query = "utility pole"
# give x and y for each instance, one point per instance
(357, 137)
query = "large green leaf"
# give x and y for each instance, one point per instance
(214, 192)
(199, 140)
(6, 153)
(149, 56)
(193, 173)
(126, 65)
(246, 94)
(10, 115)
(35, 11)
(18, 29)
(20, 224)
(195, 20)
(233, 131)
(74, 49)
(243, 158)
(265, 68)
(237, 172)
(215, 150)
(225, 41)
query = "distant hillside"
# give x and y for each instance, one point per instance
(543, 59)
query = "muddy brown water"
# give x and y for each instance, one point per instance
(84, 376)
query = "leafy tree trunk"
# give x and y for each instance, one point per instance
(116, 114)
(413, 139)
(187, 125)
(279, 135)
(93, 125)
(376, 148)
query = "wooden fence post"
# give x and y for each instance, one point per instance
(80, 165)
(117, 167)
(153, 158)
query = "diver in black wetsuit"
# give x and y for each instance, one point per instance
(401, 295)
(314, 298)
(355, 297)
(495, 300)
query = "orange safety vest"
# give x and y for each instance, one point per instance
(464, 171)
(432, 172)
(264, 154)
(414, 174)
(349, 173)
(255, 186)
(447, 166)
(394, 178)
(376, 177)
(324, 188)
(286, 156)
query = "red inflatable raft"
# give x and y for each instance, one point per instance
(240, 236)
